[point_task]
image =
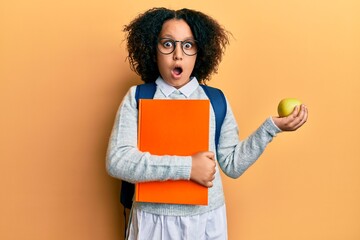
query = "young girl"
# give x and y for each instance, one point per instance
(178, 50)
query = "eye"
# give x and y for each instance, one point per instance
(167, 44)
(188, 45)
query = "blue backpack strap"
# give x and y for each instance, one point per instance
(218, 103)
(145, 91)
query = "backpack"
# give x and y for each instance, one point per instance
(147, 91)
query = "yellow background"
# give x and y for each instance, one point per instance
(63, 74)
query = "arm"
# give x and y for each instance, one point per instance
(126, 162)
(235, 156)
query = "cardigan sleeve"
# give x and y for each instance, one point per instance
(125, 161)
(236, 156)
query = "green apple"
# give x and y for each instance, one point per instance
(287, 105)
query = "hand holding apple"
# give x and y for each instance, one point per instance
(292, 114)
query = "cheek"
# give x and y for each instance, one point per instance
(192, 63)
(159, 60)
(162, 64)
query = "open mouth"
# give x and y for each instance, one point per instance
(177, 71)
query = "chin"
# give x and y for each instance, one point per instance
(177, 83)
(181, 83)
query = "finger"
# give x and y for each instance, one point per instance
(303, 113)
(210, 155)
(301, 119)
(296, 117)
(295, 112)
(304, 117)
(292, 120)
(209, 184)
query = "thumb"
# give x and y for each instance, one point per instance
(210, 155)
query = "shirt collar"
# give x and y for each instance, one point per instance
(187, 89)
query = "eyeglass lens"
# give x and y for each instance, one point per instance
(167, 46)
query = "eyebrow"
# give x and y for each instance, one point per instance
(171, 37)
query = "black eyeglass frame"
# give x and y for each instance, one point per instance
(182, 45)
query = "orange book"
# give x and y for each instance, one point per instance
(173, 127)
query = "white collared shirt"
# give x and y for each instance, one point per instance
(186, 90)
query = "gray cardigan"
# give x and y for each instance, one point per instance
(125, 161)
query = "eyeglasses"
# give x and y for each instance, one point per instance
(167, 46)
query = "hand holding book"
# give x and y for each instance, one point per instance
(203, 168)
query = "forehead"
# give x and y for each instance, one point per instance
(177, 29)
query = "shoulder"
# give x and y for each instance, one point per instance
(216, 96)
(213, 92)
(129, 100)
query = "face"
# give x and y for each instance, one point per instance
(175, 68)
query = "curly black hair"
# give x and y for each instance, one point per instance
(142, 37)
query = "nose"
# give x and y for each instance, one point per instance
(178, 53)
